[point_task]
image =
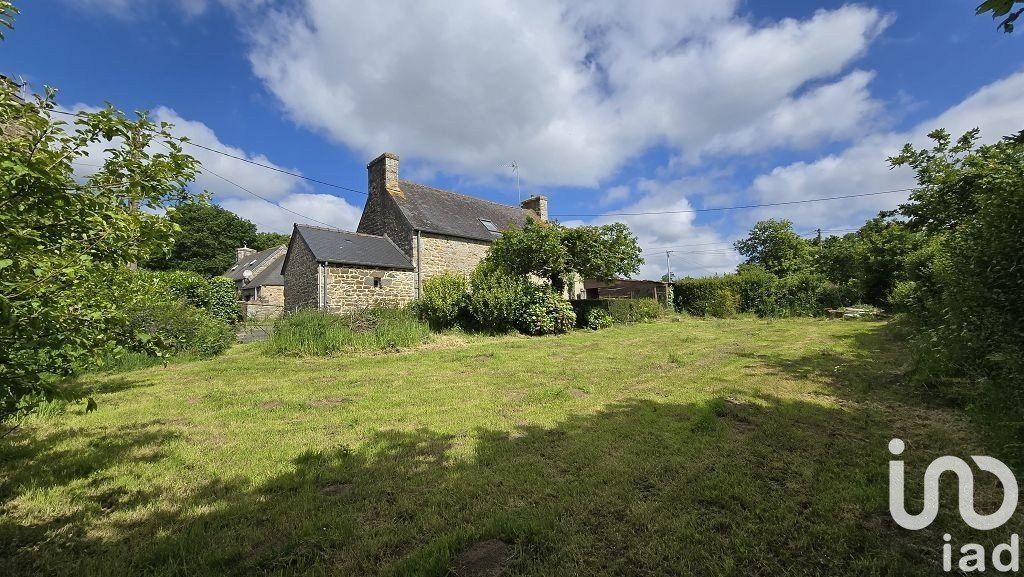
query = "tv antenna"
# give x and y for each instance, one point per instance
(515, 168)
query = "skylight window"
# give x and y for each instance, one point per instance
(252, 263)
(489, 225)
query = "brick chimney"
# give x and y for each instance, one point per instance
(382, 173)
(538, 204)
(243, 253)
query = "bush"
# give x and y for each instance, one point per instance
(164, 328)
(216, 295)
(547, 313)
(634, 310)
(712, 296)
(798, 294)
(597, 318)
(318, 333)
(758, 291)
(833, 295)
(498, 300)
(443, 304)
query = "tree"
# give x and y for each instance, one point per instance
(554, 252)
(1000, 8)
(774, 245)
(206, 240)
(840, 259)
(265, 240)
(63, 239)
(602, 252)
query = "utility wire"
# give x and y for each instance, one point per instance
(253, 162)
(267, 200)
(718, 208)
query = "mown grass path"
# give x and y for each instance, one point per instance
(686, 447)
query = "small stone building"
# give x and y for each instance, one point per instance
(340, 271)
(258, 278)
(408, 233)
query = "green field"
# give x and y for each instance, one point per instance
(718, 447)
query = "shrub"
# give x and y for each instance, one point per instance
(547, 313)
(444, 300)
(798, 294)
(216, 295)
(758, 291)
(318, 333)
(833, 295)
(597, 318)
(163, 328)
(712, 296)
(498, 300)
(634, 310)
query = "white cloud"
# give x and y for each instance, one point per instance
(614, 194)
(284, 190)
(699, 250)
(863, 167)
(325, 208)
(571, 91)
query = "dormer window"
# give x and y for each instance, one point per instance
(489, 225)
(252, 262)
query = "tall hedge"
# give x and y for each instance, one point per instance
(708, 297)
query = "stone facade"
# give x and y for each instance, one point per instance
(301, 277)
(272, 295)
(441, 254)
(352, 288)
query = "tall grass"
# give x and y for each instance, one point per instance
(316, 333)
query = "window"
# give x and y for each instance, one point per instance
(489, 225)
(377, 282)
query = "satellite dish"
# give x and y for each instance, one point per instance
(247, 275)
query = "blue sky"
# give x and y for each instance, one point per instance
(606, 108)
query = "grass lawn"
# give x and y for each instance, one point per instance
(732, 447)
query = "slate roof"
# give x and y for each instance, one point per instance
(343, 247)
(444, 212)
(269, 276)
(235, 272)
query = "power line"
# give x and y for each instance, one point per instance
(719, 208)
(267, 200)
(253, 162)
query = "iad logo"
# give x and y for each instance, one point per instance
(973, 555)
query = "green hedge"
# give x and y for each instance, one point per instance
(634, 310)
(757, 291)
(712, 296)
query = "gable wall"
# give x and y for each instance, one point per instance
(382, 217)
(351, 288)
(301, 277)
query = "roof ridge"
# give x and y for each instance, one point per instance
(469, 196)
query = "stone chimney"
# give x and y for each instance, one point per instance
(242, 253)
(538, 204)
(382, 173)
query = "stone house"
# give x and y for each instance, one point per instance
(259, 281)
(341, 271)
(408, 233)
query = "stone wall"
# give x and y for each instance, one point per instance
(443, 254)
(351, 288)
(301, 277)
(271, 295)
